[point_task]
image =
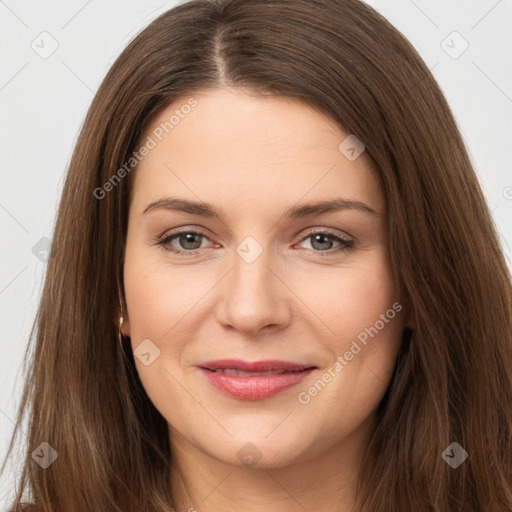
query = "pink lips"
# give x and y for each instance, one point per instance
(255, 387)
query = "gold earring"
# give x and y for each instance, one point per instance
(119, 334)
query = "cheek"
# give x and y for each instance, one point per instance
(351, 298)
(165, 301)
(157, 301)
(157, 296)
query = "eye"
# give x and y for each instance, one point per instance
(190, 241)
(322, 241)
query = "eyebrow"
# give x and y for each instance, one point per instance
(295, 212)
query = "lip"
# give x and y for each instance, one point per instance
(254, 387)
(254, 366)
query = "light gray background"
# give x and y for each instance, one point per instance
(43, 102)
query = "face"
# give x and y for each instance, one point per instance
(260, 274)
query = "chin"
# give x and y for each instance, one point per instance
(259, 453)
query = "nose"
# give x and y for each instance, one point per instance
(255, 296)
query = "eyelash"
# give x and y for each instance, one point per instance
(346, 246)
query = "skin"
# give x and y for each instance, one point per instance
(254, 158)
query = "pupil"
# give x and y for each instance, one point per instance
(319, 238)
(188, 238)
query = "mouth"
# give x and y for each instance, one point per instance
(256, 380)
(271, 367)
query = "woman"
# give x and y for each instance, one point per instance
(274, 282)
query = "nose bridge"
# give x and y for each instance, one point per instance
(252, 272)
(254, 296)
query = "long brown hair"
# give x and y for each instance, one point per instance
(453, 383)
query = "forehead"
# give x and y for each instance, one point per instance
(233, 146)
